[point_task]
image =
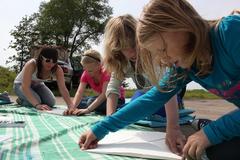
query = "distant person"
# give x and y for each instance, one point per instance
(29, 83)
(174, 35)
(97, 78)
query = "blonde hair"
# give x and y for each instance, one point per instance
(173, 16)
(119, 34)
(91, 56)
(235, 12)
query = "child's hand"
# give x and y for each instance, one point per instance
(87, 140)
(195, 145)
(80, 111)
(69, 111)
(43, 107)
(175, 139)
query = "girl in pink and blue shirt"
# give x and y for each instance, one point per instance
(97, 78)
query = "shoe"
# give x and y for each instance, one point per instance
(19, 101)
(200, 123)
(5, 97)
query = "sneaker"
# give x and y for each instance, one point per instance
(19, 101)
(5, 97)
(200, 123)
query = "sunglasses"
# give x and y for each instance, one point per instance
(49, 60)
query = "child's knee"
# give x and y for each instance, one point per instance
(51, 102)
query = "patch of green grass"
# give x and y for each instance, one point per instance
(190, 94)
(129, 93)
(199, 94)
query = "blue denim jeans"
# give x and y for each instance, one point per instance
(39, 90)
(86, 101)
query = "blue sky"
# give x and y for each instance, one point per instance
(12, 11)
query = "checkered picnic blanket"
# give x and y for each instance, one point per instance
(48, 136)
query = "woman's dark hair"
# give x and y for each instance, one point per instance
(50, 53)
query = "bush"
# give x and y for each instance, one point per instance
(6, 80)
(199, 94)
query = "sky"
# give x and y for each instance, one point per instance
(12, 11)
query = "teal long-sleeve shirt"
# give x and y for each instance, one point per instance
(223, 81)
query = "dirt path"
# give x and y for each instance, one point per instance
(211, 109)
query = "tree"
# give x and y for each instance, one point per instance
(25, 35)
(73, 24)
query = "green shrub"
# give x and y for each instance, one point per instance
(6, 80)
(199, 94)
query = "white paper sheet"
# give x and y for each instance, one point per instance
(144, 144)
(57, 111)
(5, 119)
(4, 138)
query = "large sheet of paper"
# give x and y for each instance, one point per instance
(4, 138)
(57, 111)
(144, 144)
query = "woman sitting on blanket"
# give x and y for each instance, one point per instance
(29, 83)
(95, 76)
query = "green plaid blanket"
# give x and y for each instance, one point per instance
(48, 136)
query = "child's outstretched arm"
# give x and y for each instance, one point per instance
(175, 139)
(95, 104)
(223, 129)
(132, 112)
(112, 101)
(98, 101)
(62, 88)
(112, 94)
(77, 98)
